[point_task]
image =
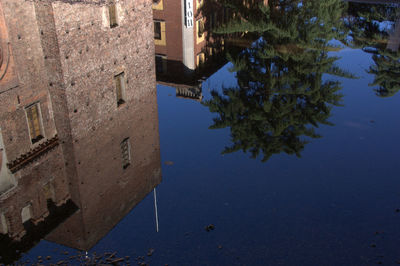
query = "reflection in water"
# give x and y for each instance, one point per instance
(281, 95)
(79, 139)
(387, 73)
(376, 29)
(186, 53)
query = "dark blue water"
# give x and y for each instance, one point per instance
(336, 205)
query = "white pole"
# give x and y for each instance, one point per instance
(155, 208)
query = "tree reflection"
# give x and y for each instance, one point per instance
(387, 73)
(281, 95)
(373, 28)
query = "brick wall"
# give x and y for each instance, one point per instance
(171, 14)
(66, 56)
(44, 176)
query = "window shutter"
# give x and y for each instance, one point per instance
(35, 118)
(30, 122)
(35, 128)
(113, 15)
(125, 153)
(118, 87)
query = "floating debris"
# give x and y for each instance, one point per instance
(150, 253)
(91, 259)
(169, 163)
(209, 227)
(117, 260)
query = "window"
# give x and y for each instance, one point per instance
(3, 224)
(158, 4)
(26, 213)
(210, 51)
(199, 3)
(225, 14)
(200, 28)
(159, 32)
(161, 63)
(119, 81)
(213, 19)
(48, 191)
(34, 122)
(200, 58)
(112, 11)
(126, 153)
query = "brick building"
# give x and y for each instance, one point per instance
(78, 109)
(32, 162)
(186, 52)
(182, 37)
(176, 41)
(108, 186)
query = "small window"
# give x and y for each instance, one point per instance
(120, 88)
(225, 14)
(200, 58)
(200, 31)
(126, 153)
(200, 28)
(34, 122)
(212, 20)
(3, 224)
(210, 51)
(157, 30)
(161, 63)
(158, 4)
(26, 213)
(112, 11)
(159, 33)
(199, 3)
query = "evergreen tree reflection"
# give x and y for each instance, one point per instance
(387, 73)
(374, 28)
(281, 95)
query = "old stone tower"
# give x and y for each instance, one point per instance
(78, 107)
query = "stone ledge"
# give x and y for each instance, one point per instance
(33, 154)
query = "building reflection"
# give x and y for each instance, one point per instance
(186, 51)
(79, 141)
